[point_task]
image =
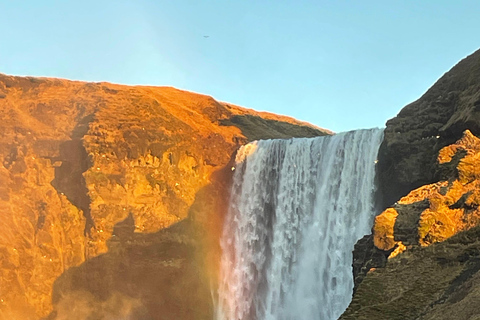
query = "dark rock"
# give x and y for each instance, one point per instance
(407, 156)
(406, 224)
(365, 258)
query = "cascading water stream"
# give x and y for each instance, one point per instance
(297, 208)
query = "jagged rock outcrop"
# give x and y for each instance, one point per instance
(115, 190)
(429, 183)
(435, 212)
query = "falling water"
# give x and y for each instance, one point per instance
(297, 208)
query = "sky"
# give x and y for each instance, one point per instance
(341, 65)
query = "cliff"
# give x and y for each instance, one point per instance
(421, 261)
(407, 157)
(111, 197)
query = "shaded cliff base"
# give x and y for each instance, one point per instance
(142, 276)
(436, 282)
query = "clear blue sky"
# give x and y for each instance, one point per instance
(338, 64)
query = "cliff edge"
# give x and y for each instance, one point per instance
(407, 156)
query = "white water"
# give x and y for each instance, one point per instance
(297, 208)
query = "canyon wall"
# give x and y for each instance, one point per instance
(111, 197)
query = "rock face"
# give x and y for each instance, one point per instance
(422, 260)
(111, 194)
(407, 156)
(435, 282)
(435, 212)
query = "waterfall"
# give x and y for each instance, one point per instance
(297, 208)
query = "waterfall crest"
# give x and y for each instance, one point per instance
(297, 208)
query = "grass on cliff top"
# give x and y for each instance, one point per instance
(255, 128)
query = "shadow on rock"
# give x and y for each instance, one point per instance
(163, 275)
(142, 276)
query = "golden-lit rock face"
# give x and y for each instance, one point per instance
(435, 212)
(76, 159)
(383, 229)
